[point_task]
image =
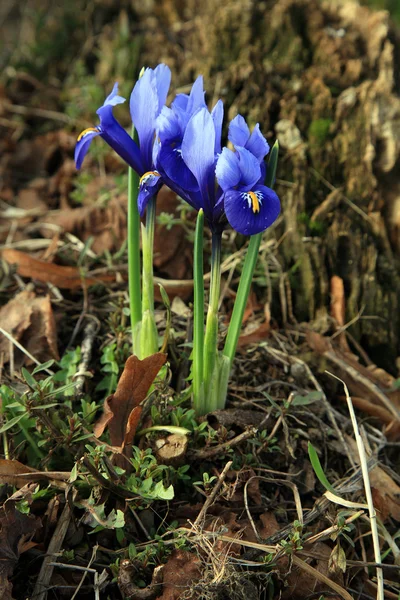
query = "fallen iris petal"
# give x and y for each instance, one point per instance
(251, 212)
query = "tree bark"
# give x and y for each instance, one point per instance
(323, 78)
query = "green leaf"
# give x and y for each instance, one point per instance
(315, 396)
(31, 381)
(43, 367)
(316, 465)
(74, 473)
(11, 423)
(132, 552)
(162, 493)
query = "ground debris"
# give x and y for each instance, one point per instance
(16, 531)
(122, 409)
(29, 319)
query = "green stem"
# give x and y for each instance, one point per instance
(211, 335)
(148, 250)
(148, 336)
(198, 318)
(135, 301)
(241, 297)
(248, 271)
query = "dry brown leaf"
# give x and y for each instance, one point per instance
(106, 224)
(300, 584)
(260, 333)
(29, 319)
(269, 525)
(392, 429)
(172, 250)
(132, 389)
(62, 277)
(10, 468)
(16, 529)
(180, 572)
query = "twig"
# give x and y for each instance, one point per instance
(210, 452)
(46, 570)
(200, 517)
(87, 570)
(368, 493)
(80, 376)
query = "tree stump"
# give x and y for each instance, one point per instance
(323, 78)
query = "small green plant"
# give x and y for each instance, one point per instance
(207, 481)
(295, 539)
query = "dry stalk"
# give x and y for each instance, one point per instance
(200, 517)
(367, 488)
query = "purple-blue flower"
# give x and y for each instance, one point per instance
(227, 185)
(189, 140)
(147, 99)
(249, 206)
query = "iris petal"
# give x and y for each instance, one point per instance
(113, 99)
(217, 114)
(198, 153)
(150, 183)
(196, 98)
(257, 144)
(83, 145)
(168, 126)
(238, 132)
(180, 102)
(163, 80)
(250, 171)
(144, 111)
(170, 161)
(249, 216)
(227, 169)
(119, 140)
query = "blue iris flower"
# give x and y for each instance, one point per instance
(250, 207)
(189, 141)
(227, 185)
(147, 99)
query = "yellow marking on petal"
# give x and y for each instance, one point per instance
(255, 203)
(147, 175)
(84, 132)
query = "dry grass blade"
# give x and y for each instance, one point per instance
(212, 496)
(368, 492)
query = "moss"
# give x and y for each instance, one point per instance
(319, 131)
